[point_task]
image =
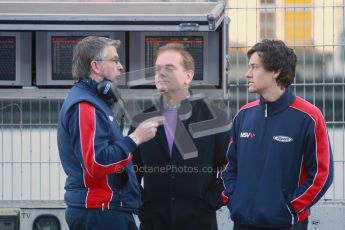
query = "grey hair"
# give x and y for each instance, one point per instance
(88, 49)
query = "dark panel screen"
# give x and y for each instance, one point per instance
(62, 53)
(7, 58)
(193, 44)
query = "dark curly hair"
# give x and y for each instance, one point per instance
(275, 56)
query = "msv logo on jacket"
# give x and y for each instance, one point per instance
(247, 135)
(282, 139)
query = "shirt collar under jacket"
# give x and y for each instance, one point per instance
(282, 103)
(166, 106)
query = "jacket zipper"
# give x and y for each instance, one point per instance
(259, 171)
(265, 110)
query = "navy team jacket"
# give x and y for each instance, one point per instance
(279, 162)
(94, 154)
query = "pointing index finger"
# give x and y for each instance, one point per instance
(157, 119)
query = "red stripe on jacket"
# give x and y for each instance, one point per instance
(99, 192)
(250, 104)
(322, 156)
(95, 174)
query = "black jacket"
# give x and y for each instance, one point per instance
(184, 193)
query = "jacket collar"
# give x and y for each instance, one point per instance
(282, 103)
(87, 83)
(91, 85)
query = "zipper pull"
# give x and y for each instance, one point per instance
(102, 207)
(121, 203)
(265, 109)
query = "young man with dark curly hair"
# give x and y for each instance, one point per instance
(279, 156)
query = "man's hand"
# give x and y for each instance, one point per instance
(146, 130)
